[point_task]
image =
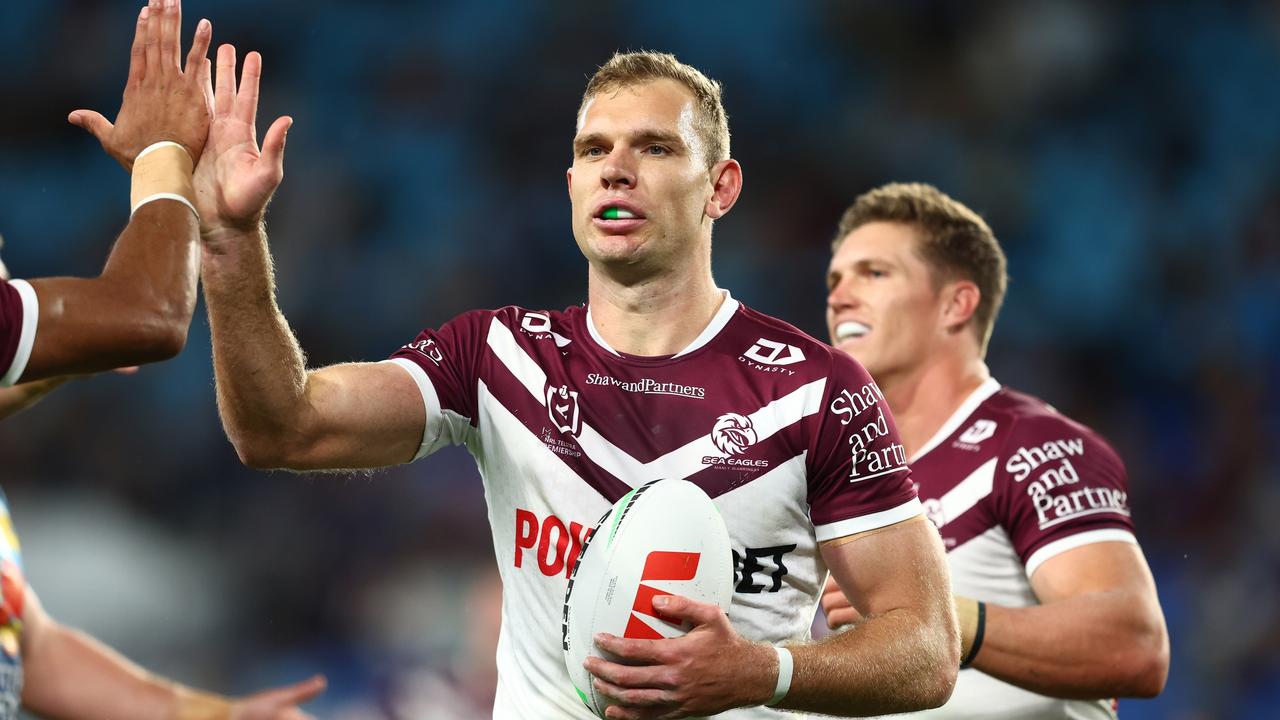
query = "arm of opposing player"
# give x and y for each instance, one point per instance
(137, 311)
(70, 675)
(904, 653)
(1098, 632)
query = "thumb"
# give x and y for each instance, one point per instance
(273, 143)
(91, 121)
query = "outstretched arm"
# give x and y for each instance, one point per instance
(138, 309)
(276, 412)
(72, 676)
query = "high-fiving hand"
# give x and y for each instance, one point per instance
(234, 180)
(162, 100)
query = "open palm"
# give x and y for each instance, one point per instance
(235, 180)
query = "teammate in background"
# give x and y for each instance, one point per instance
(137, 311)
(661, 374)
(1054, 596)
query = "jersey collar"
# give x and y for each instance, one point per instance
(988, 388)
(722, 317)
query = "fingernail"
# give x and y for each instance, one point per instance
(143, 15)
(661, 601)
(204, 25)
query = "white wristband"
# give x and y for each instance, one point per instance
(785, 667)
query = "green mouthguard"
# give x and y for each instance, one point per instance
(611, 214)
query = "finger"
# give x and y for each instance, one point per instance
(841, 617)
(299, 693)
(247, 99)
(682, 608)
(155, 19)
(206, 82)
(199, 50)
(273, 145)
(632, 698)
(652, 652)
(224, 94)
(629, 676)
(91, 121)
(138, 52)
(171, 36)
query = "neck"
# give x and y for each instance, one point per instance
(656, 316)
(923, 398)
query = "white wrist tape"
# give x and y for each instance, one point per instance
(785, 666)
(162, 171)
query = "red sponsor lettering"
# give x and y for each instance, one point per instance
(556, 546)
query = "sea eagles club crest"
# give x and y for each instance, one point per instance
(562, 406)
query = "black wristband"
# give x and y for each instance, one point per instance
(978, 634)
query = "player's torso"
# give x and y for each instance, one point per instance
(564, 429)
(12, 598)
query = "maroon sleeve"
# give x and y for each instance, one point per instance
(444, 363)
(10, 326)
(858, 474)
(1056, 481)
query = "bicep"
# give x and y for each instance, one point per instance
(899, 566)
(362, 415)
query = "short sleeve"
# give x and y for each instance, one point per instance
(443, 364)
(19, 314)
(858, 474)
(1060, 487)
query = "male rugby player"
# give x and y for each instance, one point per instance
(660, 375)
(1057, 606)
(137, 311)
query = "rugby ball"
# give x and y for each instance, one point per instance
(662, 538)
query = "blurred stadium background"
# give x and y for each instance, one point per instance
(1127, 155)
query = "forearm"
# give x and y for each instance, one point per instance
(20, 397)
(1094, 645)
(884, 664)
(258, 364)
(70, 676)
(137, 311)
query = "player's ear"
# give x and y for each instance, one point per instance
(568, 177)
(726, 185)
(960, 300)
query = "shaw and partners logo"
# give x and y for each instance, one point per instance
(772, 356)
(870, 453)
(648, 386)
(562, 407)
(732, 435)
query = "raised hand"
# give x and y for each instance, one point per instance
(235, 180)
(162, 100)
(279, 703)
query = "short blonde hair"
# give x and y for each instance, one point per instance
(954, 241)
(635, 68)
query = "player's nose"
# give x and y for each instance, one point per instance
(618, 170)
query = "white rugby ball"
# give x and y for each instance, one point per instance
(662, 538)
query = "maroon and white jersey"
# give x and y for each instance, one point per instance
(19, 312)
(791, 439)
(1010, 483)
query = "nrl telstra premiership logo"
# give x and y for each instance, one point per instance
(562, 407)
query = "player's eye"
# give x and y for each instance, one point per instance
(594, 151)
(657, 150)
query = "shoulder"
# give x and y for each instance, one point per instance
(767, 340)
(1036, 427)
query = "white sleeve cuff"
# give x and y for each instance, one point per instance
(1071, 542)
(27, 336)
(430, 402)
(863, 523)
